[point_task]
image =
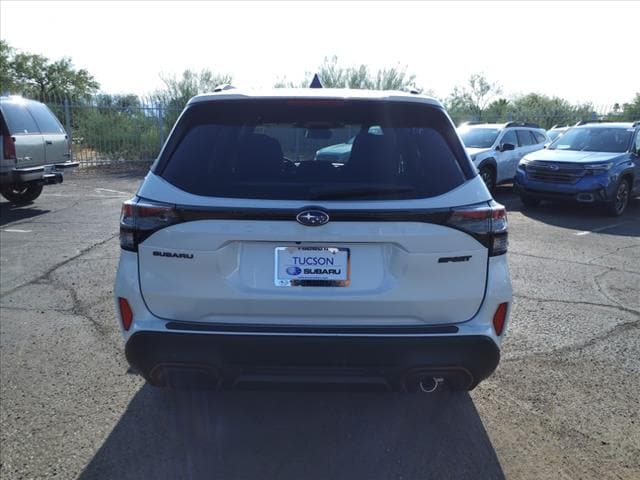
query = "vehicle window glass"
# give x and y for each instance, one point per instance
(524, 138)
(45, 118)
(478, 137)
(540, 138)
(509, 137)
(638, 142)
(301, 150)
(18, 119)
(594, 139)
(553, 134)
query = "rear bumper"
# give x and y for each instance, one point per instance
(248, 360)
(46, 174)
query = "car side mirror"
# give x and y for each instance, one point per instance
(507, 147)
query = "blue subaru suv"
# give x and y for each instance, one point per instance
(596, 163)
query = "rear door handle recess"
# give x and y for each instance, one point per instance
(49, 142)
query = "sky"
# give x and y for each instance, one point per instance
(582, 51)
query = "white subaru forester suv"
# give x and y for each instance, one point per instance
(245, 263)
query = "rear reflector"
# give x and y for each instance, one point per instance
(126, 315)
(499, 318)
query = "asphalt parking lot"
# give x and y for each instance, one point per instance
(563, 404)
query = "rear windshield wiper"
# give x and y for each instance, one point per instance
(355, 192)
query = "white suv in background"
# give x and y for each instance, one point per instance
(496, 149)
(245, 262)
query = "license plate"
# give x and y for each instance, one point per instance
(312, 267)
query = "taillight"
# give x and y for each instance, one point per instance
(126, 315)
(68, 143)
(9, 147)
(141, 218)
(499, 318)
(486, 222)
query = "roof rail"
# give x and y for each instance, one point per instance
(521, 124)
(584, 122)
(224, 86)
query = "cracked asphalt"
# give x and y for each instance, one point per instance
(563, 404)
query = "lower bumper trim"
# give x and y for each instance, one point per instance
(228, 361)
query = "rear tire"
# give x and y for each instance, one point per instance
(22, 194)
(617, 206)
(529, 201)
(488, 175)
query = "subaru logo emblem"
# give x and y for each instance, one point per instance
(294, 271)
(553, 167)
(312, 218)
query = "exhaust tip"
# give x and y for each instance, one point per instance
(432, 379)
(430, 384)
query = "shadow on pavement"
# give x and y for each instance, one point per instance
(170, 434)
(12, 213)
(581, 217)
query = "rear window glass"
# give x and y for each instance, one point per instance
(314, 149)
(45, 119)
(18, 119)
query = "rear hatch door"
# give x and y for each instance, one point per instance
(241, 177)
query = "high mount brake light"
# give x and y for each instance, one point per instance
(141, 218)
(486, 222)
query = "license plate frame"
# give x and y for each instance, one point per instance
(340, 255)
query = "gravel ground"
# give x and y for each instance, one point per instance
(564, 402)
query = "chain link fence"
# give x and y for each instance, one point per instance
(107, 129)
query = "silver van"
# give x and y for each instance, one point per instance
(35, 149)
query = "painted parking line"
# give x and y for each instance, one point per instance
(16, 230)
(112, 191)
(601, 229)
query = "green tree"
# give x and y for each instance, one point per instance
(497, 111)
(334, 75)
(7, 77)
(178, 90)
(548, 111)
(37, 77)
(469, 102)
(631, 111)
